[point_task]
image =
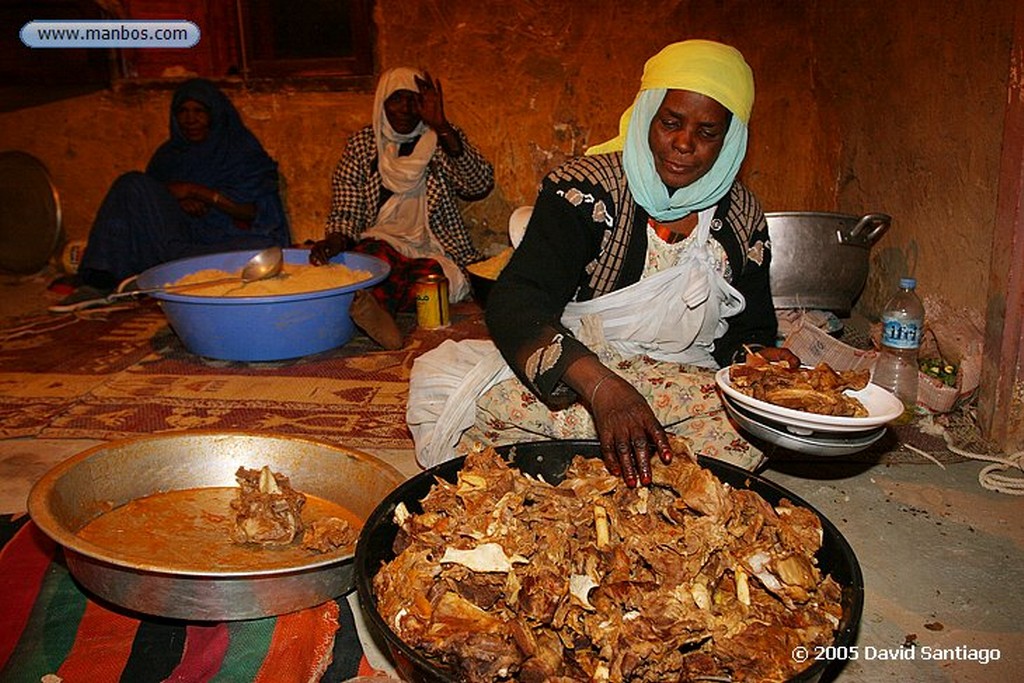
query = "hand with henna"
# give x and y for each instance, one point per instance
(627, 428)
(196, 200)
(431, 102)
(189, 198)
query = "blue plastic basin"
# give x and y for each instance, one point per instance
(260, 328)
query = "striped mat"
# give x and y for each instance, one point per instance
(51, 631)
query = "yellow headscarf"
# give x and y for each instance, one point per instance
(703, 66)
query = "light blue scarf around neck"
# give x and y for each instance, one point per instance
(649, 189)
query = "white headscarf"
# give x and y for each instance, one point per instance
(400, 174)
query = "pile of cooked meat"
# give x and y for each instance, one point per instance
(268, 513)
(506, 577)
(814, 390)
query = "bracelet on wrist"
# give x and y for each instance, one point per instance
(593, 392)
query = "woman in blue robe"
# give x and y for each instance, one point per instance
(210, 188)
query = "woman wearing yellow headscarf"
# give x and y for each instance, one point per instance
(644, 267)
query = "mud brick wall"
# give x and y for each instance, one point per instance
(861, 106)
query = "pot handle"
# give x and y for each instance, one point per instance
(868, 230)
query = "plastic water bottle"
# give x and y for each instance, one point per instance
(902, 327)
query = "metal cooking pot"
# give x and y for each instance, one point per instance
(820, 260)
(82, 487)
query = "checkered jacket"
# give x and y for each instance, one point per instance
(356, 191)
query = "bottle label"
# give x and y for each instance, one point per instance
(901, 334)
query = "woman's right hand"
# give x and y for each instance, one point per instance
(324, 250)
(628, 430)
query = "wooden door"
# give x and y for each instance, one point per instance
(1001, 399)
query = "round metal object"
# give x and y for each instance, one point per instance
(549, 460)
(84, 486)
(30, 213)
(263, 265)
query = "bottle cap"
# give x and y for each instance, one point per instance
(908, 283)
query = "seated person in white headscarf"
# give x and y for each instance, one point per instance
(395, 196)
(643, 269)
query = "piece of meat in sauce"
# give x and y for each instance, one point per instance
(329, 533)
(268, 511)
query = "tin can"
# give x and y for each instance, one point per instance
(432, 302)
(71, 256)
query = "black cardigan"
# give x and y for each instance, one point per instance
(579, 244)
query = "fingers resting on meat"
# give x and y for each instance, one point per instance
(629, 432)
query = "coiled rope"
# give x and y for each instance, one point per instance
(1004, 474)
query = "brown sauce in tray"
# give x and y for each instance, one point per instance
(190, 530)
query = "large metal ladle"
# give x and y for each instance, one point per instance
(264, 265)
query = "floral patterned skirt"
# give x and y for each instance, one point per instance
(684, 399)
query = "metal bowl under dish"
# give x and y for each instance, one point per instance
(822, 444)
(260, 328)
(550, 459)
(84, 486)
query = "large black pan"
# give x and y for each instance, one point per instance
(550, 459)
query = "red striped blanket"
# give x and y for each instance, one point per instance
(51, 631)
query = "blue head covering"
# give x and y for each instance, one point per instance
(230, 160)
(702, 66)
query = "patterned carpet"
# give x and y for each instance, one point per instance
(123, 373)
